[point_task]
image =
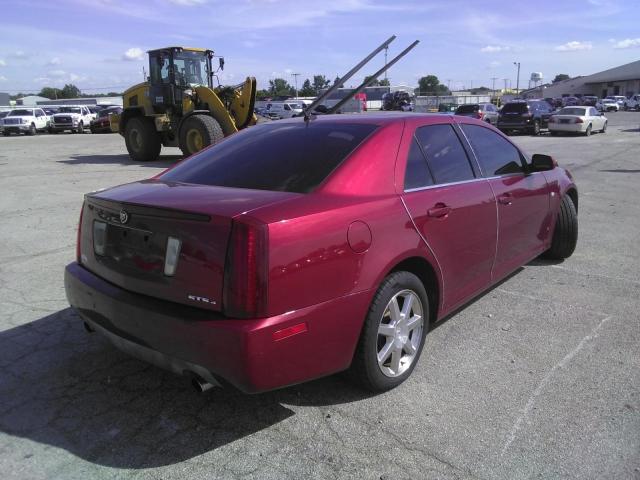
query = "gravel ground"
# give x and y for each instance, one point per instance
(537, 378)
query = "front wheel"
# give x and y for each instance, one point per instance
(565, 235)
(536, 128)
(587, 132)
(80, 128)
(198, 132)
(604, 127)
(32, 130)
(393, 334)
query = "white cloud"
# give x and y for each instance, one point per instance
(19, 54)
(3, 63)
(54, 61)
(495, 63)
(188, 3)
(628, 43)
(133, 54)
(3, 79)
(573, 46)
(495, 48)
(57, 73)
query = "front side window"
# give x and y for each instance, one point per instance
(496, 155)
(446, 157)
(417, 174)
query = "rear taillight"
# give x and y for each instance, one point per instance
(579, 120)
(479, 115)
(246, 270)
(79, 236)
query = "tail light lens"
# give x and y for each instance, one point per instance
(79, 236)
(579, 120)
(246, 270)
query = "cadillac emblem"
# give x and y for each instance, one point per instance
(124, 216)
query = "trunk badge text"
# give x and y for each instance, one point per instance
(201, 299)
(124, 216)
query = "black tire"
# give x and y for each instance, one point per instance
(80, 127)
(553, 133)
(198, 132)
(32, 130)
(6, 134)
(142, 139)
(536, 127)
(565, 235)
(604, 128)
(587, 132)
(365, 369)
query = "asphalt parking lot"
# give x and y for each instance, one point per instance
(538, 378)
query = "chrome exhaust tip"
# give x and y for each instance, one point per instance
(200, 384)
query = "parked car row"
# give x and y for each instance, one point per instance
(55, 119)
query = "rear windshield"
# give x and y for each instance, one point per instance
(288, 157)
(572, 111)
(468, 108)
(515, 107)
(20, 113)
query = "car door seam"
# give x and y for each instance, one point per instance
(433, 253)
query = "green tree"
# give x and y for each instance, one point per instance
(51, 93)
(375, 83)
(336, 80)
(560, 77)
(307, 90)
(428, 84)
(320, 82)
(281, 88)
(384, 82)
(262, 94)
(70, 91)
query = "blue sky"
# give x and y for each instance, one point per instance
(99, 45)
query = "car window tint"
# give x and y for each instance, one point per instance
(417, 174)
(496, 155)
(289, 157)
(447, 158)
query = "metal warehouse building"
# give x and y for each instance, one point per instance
(622, 80)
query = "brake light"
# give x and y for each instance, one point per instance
(479, 115)
(246, 270)
(579, 120)
(79, 236)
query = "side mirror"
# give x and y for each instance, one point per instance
(542, 163)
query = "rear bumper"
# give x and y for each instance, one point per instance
(568, 127)
(242, 352)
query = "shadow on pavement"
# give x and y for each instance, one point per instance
(620, 170)
(66, 388)
(121, 159)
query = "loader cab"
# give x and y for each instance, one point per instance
(174, 70)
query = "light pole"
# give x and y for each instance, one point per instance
(517, 78)
(493, 86)
(295, 78)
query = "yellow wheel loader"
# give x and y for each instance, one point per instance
(178, 106)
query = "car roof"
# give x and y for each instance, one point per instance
(378, 118)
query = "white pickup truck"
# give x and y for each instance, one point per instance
(632, 103)
(75, 119)
(24, 120)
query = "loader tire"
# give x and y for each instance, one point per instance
(142, 139)
(198, 132)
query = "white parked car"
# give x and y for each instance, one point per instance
(75, 119)
(607, 105)
(620, 99)
(284, 109)
(24, 120)
(632, 103)
(577, 120)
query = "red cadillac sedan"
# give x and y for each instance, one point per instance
(293, 250)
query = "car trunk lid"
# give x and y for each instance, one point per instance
(126, 231)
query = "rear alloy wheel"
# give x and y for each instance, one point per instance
(198, 132)
(393, 334)
(587, 132)
(142, 139)
(565, 235)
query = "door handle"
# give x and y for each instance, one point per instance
(439, 210)
(505, 199)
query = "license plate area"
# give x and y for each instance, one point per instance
(135, 250)
(565, 120)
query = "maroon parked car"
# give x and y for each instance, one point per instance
(294, 250)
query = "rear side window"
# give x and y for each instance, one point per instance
(288, 157)
(417, 174)
(496, 155)
(446, 157)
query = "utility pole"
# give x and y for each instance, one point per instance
(386, 51)
(493, 86)
(449, 84)
(518, 78)
(505, 84)
(295, 77)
